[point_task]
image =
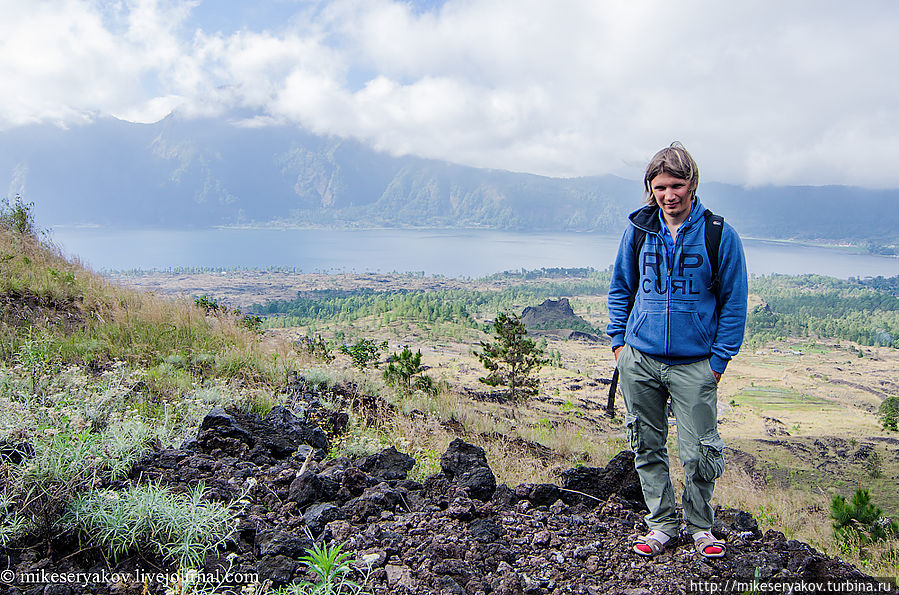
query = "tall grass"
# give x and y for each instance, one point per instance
(802, 515)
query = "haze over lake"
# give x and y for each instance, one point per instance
(452, 253)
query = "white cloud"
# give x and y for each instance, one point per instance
(762, 92)
(152, 110)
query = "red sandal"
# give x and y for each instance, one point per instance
(707, 546)
(650, 545)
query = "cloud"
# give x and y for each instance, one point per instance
(763, 92)
(66, 61)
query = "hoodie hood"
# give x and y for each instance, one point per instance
(647, 218)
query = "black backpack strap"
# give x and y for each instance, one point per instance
(714, 224)
(636, 245)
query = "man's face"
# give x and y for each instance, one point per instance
(672, 195)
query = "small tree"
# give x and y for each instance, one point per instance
(364, 352)
(404, 371)
(889, 413)
(316, 347)
(512, 358)
(17, 216)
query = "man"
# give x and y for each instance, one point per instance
(673, 333)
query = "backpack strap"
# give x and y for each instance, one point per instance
(714, 224)
(636, 245)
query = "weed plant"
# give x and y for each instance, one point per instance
(37, 357)
(181, 528)
(332, 568)
(12, 524)
(62, 465)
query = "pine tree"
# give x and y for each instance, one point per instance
(404, 371)
(512, 358)
(889, 413)
(861, 518)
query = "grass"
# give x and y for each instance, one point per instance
(90, 374)
(804, 516)
(60, 465)
(67, 314)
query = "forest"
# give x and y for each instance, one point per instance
(865, 311)
(459, 306)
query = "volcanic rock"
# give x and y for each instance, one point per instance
(466, 465)
(617, 477)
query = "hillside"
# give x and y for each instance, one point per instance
(144, 435)
(200, 173)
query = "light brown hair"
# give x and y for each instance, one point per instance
(674, 160)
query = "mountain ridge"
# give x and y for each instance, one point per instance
(204, 173)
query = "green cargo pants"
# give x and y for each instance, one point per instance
(646, 385)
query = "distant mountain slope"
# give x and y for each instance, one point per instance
(200, 173)
(825, 213)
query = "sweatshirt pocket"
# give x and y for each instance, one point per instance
(648, 332)
(689, 336)
(638, 324)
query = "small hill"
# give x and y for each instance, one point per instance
(457, 531)
(557, 318)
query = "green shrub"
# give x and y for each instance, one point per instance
(251, 322)
(17, 216)
(316, 347)
(364, 352)
(207, 304)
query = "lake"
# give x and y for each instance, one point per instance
(452, 253)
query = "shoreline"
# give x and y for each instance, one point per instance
(847, 247)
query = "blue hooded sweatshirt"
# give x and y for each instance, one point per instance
(676, 318)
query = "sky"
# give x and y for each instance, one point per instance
(762, 92)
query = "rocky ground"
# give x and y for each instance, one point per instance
(457, 532)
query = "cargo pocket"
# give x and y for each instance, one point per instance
(711, 456)
(633, 431)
